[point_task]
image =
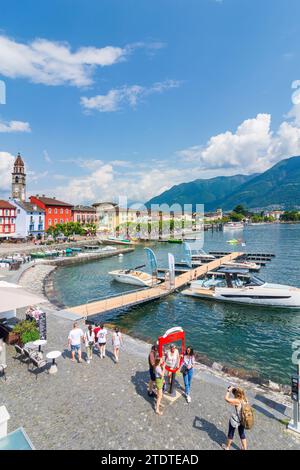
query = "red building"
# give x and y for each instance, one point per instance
(56, 212)
(7, 219)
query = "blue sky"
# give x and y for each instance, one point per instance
(129, 97)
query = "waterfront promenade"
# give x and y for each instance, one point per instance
(105, 406)
(9, 249)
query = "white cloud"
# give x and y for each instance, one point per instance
(105, 182)
(14, 126)
(6, 165)
(88, 188)
(252, 148)
(54, 63)
(246, 148)
(295, 111)
(46, 157)
(130, 95)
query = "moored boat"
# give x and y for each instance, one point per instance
(249, 290)
(134, 277)
(233, 226)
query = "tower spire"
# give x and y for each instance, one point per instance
(19, 179)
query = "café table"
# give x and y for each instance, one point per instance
(39, 343)
(53, 355)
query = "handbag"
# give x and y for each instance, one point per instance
(184, 369)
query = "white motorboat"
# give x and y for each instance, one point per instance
(242, 265)
(249, 290)
(134, 277)
(201, 255)
(233, 226)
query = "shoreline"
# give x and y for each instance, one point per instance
(216, 368)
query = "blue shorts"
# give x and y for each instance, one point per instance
(75, 347)
(152, 374)
(231, 431)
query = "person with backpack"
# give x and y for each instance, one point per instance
(117, 340)
(241, 418)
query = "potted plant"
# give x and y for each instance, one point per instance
(26, 331)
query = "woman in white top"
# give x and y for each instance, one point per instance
(117, 340)
(172, 358)
(101, 336)
(89, 339)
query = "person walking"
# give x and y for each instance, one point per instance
(75, 338)
(102, 335)
(151, 360)
(187, 370)
(89, 339)
(238, 400)
(96, 331)
(160, 368)
(117, 340)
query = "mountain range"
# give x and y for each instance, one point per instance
(279, 187)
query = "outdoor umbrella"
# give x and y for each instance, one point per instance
(12, 298)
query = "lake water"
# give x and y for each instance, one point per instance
(252, 338)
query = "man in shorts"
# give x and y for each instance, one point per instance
(75, 338)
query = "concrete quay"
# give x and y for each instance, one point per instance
(103, 405)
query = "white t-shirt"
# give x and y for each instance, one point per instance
(89, 337)
(172, 360)
(117, 339)
(75, 336)
(102, 335)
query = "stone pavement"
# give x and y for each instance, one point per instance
(104, 405)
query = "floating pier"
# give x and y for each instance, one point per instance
(141, 296)
(259, 257)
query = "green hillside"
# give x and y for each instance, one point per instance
(278, 186)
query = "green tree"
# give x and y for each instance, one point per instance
(240, 209)
(236, 217)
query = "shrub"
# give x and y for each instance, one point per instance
(27, 330)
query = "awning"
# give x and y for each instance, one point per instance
(12, 298)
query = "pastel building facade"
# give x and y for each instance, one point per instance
(56, 212)
(30, 219)
(84, 214)
(7, 219)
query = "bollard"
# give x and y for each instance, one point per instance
(172, 391)
(294, 425)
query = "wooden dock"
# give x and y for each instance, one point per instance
(141, 296)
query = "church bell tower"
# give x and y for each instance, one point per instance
(19, 179)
